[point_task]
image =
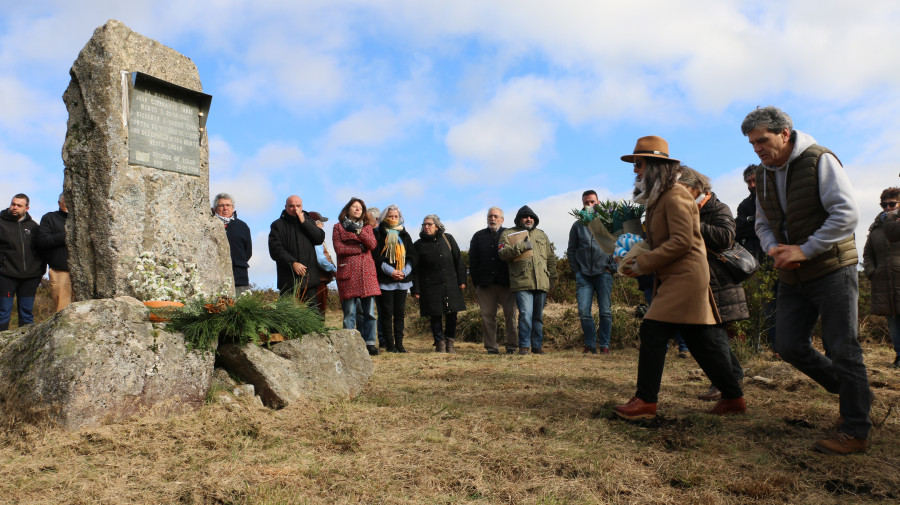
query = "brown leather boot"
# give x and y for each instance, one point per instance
(729, 406)
(636, 409)
(711, 395)
(439, 346)
(450, 348)
(842, 444)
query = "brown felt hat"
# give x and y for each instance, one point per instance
(315, 216)
(651, 147)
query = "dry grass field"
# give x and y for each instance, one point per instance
(477, 428)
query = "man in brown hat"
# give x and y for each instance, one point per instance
(682, 299)
(805, 220)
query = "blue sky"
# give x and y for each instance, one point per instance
(451, 107)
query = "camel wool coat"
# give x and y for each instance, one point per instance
(677, 255)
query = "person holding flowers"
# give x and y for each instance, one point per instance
(682, 298)
(593, 270)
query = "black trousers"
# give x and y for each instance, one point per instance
(711, 352)
(441, 334)
(391, 315)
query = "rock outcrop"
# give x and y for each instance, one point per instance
(320, 366)
(99, 361)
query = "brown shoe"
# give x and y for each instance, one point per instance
(636, 409)
(450, 348)
(538, 350)
(711, 395)
(440, 346)
(730, 406)
(842, 444)
(524, 350)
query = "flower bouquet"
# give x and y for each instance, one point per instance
(607, 220)
(156, 280)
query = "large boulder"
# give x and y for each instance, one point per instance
(98, 361)
(320, 366)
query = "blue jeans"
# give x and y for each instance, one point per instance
(832, 297)
(531, 317)
(367, 305)
(586, 286)
(23, 290)
(894, 328)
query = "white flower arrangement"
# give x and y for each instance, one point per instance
(154, 280)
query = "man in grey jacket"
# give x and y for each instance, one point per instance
(593, 277)
(805, 219)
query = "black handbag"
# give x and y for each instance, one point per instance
(740, 263)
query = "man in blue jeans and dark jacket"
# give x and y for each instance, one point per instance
(21, 268)
(593, 276)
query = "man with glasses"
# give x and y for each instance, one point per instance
(491, 278)
(805, 219)
(238, 234)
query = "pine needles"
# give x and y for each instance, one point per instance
(239, 321)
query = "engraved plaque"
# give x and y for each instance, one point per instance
(164, 125)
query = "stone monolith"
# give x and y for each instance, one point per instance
(137, 168)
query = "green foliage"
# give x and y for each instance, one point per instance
(611, 213)
(564, 291)
(242, 320)
(759, 290)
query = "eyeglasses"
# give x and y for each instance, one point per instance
(885, 205)
(638, 164)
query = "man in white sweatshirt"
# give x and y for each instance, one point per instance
(805, 219)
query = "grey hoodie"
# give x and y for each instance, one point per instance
(835, 193)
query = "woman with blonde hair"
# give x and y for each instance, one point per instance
(395, 259)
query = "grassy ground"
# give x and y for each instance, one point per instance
(477, 428)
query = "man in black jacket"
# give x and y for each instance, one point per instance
(745, 231)
(292, 241)
(51, 242)
(490, 275)
(21, 268)
(239, 239)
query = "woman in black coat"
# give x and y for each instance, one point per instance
(438, 281)
(717, 226)
(395, 259)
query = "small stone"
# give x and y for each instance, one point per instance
(245, 390)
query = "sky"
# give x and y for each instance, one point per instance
(451, 107)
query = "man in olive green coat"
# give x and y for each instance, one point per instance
(532, 273)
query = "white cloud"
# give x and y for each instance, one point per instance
(368, 127)
(276, 157)
(27, 112)
(278, 69)
(507, 136)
